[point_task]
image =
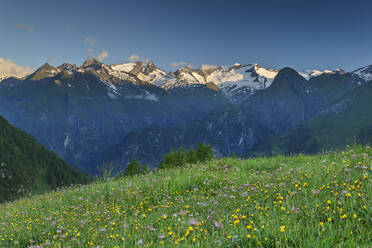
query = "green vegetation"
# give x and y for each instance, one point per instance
(134, 168)
(302, 201)
(347, 122)
(182, 157)
(27, 167)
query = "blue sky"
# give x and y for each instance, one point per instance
(300, 34)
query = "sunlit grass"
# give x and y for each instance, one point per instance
(302, 201)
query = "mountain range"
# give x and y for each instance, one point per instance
(98, 113)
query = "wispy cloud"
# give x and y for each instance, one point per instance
(176, 64)
(208, 67)
(104, 54)
(11, 69)
(25, 27)
(134, 57)
(91, 41)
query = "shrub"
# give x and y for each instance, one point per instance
(135, 168)
(182, 157)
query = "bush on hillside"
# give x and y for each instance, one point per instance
(182, 157)
(134, 168)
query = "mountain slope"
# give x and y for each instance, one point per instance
(347, 120)
(227, 128)
(26, 166)
(78, 116)
(288, 102)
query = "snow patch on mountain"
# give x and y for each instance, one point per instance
(267, 73)
(364, 73)
(307, 74)
(242, 80)
(66, 141)
(3, 78)
(148, 96)
(125, 67)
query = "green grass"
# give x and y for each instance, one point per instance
(301, 201)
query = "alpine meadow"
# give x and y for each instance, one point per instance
(193, 123)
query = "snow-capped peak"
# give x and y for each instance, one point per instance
(91, 63)
(144, 71)
(44, 71)
(3, 78)
(125, 67)
(267, 73)
(364, 72)
(315, 73)
(237, 82)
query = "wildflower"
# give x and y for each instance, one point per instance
(217, 224)
(193, 221)
(249, 227)
(248, 236)
(343, 216)
(354, 216)
(282, 228)
(321, 224)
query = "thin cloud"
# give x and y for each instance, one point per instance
(91, 41)
(134, 57)
(104, 54)
(25, 27)
(176, 64)
(208, 67)
(10, 69)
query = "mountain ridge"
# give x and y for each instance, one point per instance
(80, 113)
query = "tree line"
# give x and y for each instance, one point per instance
(173, 159)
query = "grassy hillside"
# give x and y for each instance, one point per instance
(302, 201)
(26, 166)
